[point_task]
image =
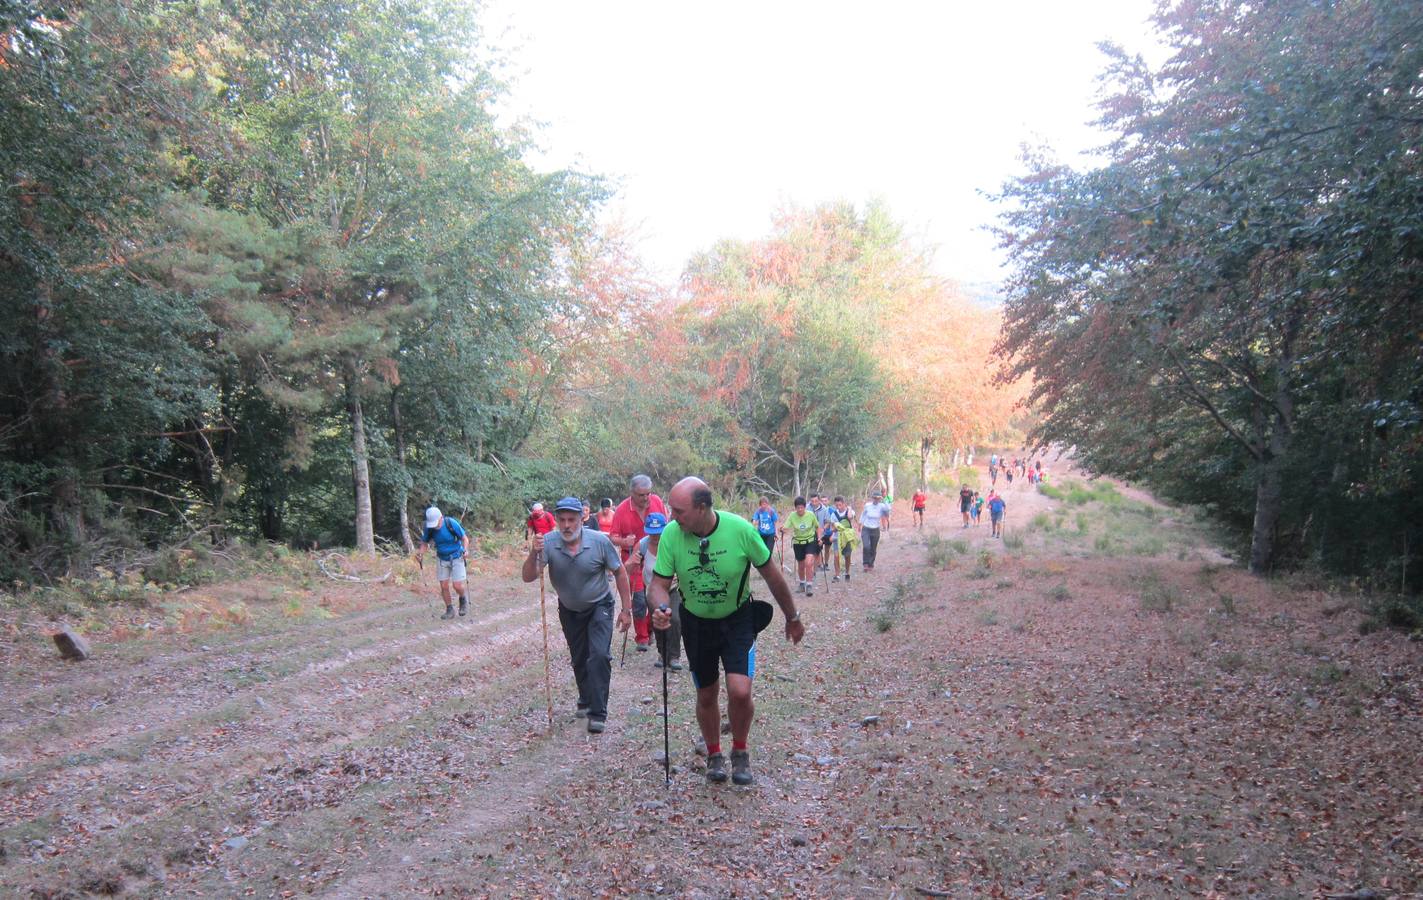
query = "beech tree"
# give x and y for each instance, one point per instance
(1237, 281)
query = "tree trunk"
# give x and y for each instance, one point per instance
(1269, 485)
(1269, 497)
(360, 468)
(926, 445)
(889, 481)
(402, 493)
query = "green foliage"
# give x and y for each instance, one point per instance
(1155, 595)
(1237, 283)
(891, 608)
(288, 237)
(1013, 540)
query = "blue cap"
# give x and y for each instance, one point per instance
(572, 504)
(655, 523)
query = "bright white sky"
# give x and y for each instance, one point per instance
(709, 116)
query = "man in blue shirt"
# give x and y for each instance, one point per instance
(765, 518)
(451, 543)
(997, 508)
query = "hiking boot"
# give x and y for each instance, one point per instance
(595, 726)
(716, 768)
(741, 767)
(809, 591)
(657, 663)
(464, 605)
(449, 613)
(641, 648)
(700, 747)
(800, 587)
(836, 579)
(676, 665)
(581, 711)
(847, 576)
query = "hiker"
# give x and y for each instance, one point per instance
(804, 529)
(765, 518)
(605, 515)
(669, 642)
(821, 511)
(579, 562)
(538, 522)
(710, 553)
(920, 502)
(965, 502)
(590, 521)
(626, 530)
(997, 508)
(873, 518)
(977, 508)
(845, 539)
(1008, 476)
(451, 543)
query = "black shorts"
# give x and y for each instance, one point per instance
(828, 541)
(918, 509)
(714, 644)
(804, 550)
(770, 540)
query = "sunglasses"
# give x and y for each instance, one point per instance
(702, 556)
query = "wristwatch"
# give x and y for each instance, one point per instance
(794, 618)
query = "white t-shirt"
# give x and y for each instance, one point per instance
(873, 513)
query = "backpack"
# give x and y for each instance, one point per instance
(445, 524)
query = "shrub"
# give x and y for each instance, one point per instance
(1013, 540)
(890, 609)
(1155, 595)
(942, 552)
(1233, 661)
(1059, 593)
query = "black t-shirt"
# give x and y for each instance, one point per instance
(965, 499)
(591, 523)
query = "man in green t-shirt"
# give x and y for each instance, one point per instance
(804, 527)
(711, 553)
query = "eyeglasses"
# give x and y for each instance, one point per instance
(702, 556)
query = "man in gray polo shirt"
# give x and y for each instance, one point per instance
(579, 561)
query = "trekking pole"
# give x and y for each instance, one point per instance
(425, 579)
(666, 729)
(624, 660)
(543, 615)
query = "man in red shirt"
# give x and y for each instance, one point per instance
(920, 500)
(540, 521)
(626, 531)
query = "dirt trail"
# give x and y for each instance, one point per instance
(1093, 707)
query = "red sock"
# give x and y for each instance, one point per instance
(738, 745)
(713, 749)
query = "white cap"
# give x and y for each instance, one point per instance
(432, 517)
(538, 507)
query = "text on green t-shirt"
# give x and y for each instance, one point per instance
(714, 589)
(804, 526)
